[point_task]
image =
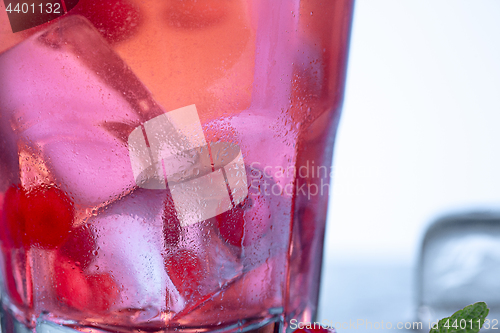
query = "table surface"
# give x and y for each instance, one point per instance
(380, 294)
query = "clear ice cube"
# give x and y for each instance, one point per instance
(65, 92)
(131, 246)
(460, 265)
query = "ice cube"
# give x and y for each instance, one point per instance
(260, 136)
(248, 296)
(65, 92)
(44, 326)
(270, 180)
(201, 264)
(460, 264)
(152, 268)
(129, 238)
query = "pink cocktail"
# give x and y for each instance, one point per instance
(165, 165)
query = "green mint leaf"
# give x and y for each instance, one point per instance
(468, 320)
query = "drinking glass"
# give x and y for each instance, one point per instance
(165, 165)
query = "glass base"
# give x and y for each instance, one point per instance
(9, 324)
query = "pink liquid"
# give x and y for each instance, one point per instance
(82, 240)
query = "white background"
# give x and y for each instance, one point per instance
(419, 137)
